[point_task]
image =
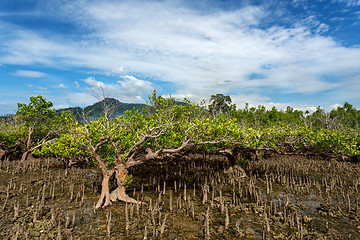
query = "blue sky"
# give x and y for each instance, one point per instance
(275, 53)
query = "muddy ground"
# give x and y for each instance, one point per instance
(281, 197)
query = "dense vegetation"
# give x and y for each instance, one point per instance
(165, 129)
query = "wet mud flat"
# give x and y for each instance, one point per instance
(196, 197)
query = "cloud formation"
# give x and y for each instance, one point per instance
(198, 52)
(37, 87)
(130, 89)
(28, 74)
(60, 85)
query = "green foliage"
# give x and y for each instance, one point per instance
(219, 103)
(128, 181)
(175, 122)
(346, 115)
(8, 134)
(38, 124)
(37, 110)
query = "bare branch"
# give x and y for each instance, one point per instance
(42, 144)
(99, 144)
(136, 147)
(175, 150)
(153, 155)
(107, 108)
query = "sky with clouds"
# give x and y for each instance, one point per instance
(300, 53)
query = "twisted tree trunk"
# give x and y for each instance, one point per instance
(104, 199)
(119, 193)
(121, 172)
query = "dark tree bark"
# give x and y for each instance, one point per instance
(234, 156)
(2, 153)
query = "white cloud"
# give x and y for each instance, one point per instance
(130, 89)
(60, 106)
(28, 74)
(334, 106)
(349, 3)
(117, 69)
(81, 99)
(60, 85)
(220, 46)
(77, 85)
(37, 87)
(96, 84)
(322, 28)
(135, 86)
(180, 95)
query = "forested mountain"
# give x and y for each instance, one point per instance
(94, 111)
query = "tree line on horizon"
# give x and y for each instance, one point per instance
(342, 116)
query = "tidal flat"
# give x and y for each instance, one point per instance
(193, 197)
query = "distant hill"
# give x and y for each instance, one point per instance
(94, 111)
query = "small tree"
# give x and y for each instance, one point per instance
(347, 116)
(219, 103)
(125, 141)
(37, 119)
(164, 130)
